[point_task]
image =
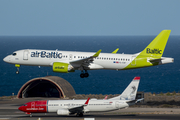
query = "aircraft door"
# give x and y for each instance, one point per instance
(133, 61)
(70, 57)
(25, 55)
(117, 104)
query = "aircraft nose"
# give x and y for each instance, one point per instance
(5, 59)
(21, 108)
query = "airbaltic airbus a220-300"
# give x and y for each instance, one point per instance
(69, 61)
(78, 107)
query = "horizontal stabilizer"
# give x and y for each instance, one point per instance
(155, 60)
(135, 101)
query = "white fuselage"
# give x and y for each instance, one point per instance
(47, 58)
(93, 105)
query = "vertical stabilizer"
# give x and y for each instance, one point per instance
(157, 46)
(130, 92)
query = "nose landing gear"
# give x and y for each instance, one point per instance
(17, 72)
(17, 65)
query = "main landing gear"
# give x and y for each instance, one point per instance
(86, 74)
(79, 114)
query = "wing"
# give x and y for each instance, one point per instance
(79, 109)
(85, 61)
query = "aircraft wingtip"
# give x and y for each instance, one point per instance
(137, 78)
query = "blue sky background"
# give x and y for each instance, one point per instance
(88, 17)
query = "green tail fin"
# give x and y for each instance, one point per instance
(157, 46)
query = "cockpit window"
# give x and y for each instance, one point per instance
(25, 105)
(14, 54)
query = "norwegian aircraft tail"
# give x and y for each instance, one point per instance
(130, 92)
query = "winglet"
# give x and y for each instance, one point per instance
(115, 51)
(106, 97)
(87, 101)
(136, 78)
(97, 53)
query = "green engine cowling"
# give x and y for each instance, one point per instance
(62, 67)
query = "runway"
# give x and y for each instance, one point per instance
(9, 110)
(15, 115)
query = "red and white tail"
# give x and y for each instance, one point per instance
(130, 92)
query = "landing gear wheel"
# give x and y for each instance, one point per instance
(17, 72)
(82, 75)
(86, 74)
(79, 114)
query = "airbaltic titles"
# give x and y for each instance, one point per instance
(153, 51)
(44, 54)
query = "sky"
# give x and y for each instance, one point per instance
(88, 17)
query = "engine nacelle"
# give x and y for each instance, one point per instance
(62, 67)
(63, 112)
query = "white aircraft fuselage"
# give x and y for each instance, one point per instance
(64, 105)
(33, 57)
